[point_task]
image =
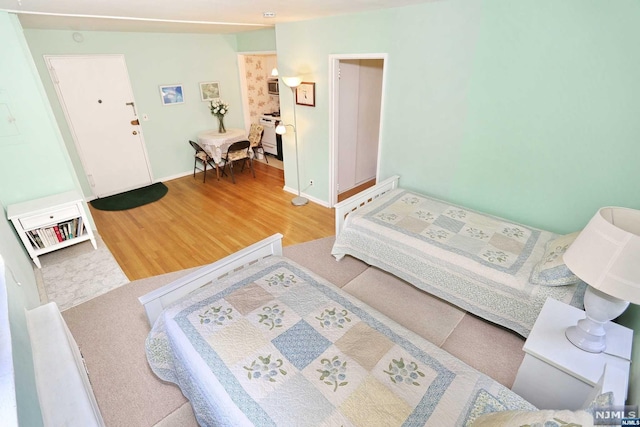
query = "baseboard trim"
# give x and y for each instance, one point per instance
(311, 198)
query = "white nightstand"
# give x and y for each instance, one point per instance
(555, 374)
(51, 223)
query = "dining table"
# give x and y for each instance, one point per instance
(215, 144)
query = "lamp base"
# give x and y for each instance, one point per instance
(299, 201)
(589, 334)
(591, 343)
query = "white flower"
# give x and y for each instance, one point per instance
(219, 107)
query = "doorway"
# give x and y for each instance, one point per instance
(97, 100)
(356, 107)
(261, 105)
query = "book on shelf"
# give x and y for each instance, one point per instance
(37, 238)
(74, 227)
(56, 230)
(39, 241)
(51, 236)
(41, 238)
(67, 230)
(33, 238)
(43, 235)
(64, 230)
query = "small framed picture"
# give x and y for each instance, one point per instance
(172, 94)
(306, 94)
(209, 91)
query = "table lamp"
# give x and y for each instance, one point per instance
(605, 255)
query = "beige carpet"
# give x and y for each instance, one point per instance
(487, 347)
(111, 330)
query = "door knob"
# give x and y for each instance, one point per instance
(135, 132)
(135, 122)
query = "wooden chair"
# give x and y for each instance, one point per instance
(255, 138)
(202, 157)
(238, 151)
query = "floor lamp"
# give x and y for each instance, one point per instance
(293, 83)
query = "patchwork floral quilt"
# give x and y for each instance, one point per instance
(476, 261)
(275, 345)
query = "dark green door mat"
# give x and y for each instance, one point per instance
(131, 199)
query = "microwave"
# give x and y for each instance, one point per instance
(272, 86)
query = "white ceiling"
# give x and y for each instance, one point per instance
(193, 16)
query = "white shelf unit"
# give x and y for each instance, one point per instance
(48, 212)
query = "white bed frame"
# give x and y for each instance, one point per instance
(362, 199)
(154, 302)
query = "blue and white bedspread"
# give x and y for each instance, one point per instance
(276, 345)
(478, 262)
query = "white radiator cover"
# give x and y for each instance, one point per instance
(65, 394)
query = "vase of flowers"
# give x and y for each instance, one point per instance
(219, 108)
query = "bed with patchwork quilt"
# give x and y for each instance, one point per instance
(274, 344)
(494, 268)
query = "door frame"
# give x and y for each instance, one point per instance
(63, 107)
(334, 114)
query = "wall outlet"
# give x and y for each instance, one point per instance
(311, 182)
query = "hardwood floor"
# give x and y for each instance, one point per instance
(345, 195)
(198, 223)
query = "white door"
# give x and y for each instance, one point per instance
(96, 96)
(356, 108)
(349, 93)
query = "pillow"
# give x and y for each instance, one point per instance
(603, 399)
(551, 269)
(546, 418)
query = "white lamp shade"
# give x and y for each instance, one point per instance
(606, 254)
(274, 72)
(281, 129)
(292, 81)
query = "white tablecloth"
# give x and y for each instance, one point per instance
(215, 144)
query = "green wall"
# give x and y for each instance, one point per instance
(33, 163)
(257, 41)
(527, 109)
(524, 109)
(555, 94)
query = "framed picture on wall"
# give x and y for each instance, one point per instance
(172, 94)
(306, 94)
(209, 91)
